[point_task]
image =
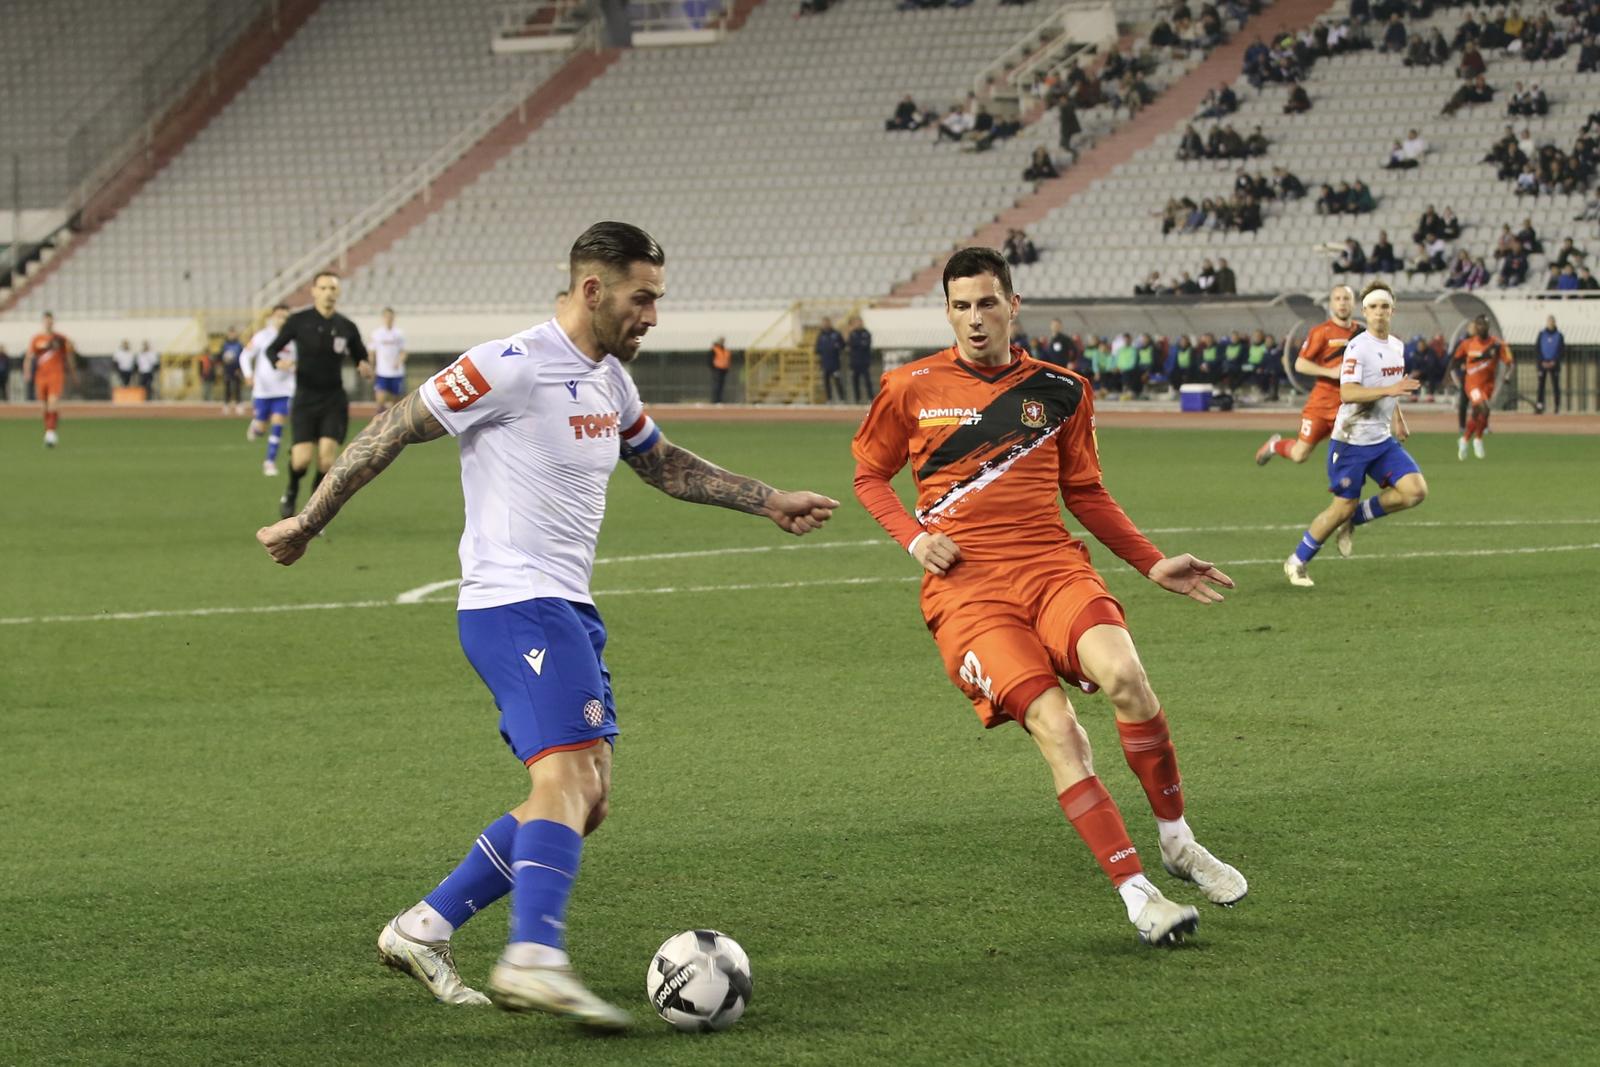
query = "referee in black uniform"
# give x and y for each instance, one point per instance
(320, 414)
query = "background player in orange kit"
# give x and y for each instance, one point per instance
(1319, 357)
(1476, 365)
(996, 439)
(49, 365)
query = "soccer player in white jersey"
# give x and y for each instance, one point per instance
(542, 418)
(271, 385)
(1367, 436)
(389, 352)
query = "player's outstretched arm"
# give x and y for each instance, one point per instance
(407, 423)
(682, 474)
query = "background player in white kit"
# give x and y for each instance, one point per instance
(389, 362)
(271, 385)
(1366, 436)
(542, 419)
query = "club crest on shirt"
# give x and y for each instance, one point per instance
(341, 345)
(1033, 414)
(594, 713)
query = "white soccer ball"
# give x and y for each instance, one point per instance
(699, 980)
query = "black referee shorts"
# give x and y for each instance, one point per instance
(315, 416)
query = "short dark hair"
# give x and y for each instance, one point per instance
(321, 274)
(971, 262)
(388, 311)
(280, 307)
(1374, 286)
(617, 245)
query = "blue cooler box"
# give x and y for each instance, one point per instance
(1194, 398)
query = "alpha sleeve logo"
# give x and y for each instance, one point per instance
(461, 384)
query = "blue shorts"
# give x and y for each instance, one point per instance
(270, 405)
(542, 661)
(1349, 465)
(395, 386)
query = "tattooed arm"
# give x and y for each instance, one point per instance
(407, 423)
(682, 474)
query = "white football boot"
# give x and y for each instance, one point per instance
(1477, 447)
(1295, 571)
(556, 990)
(1163, 922)
(1345, 538)
(269, 468)
(50, 439)
(1265, 453)
(429, 962)
(1461, 448)
(1220, 883)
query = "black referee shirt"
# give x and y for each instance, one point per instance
(320, 344)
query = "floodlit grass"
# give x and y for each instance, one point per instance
(208, 817)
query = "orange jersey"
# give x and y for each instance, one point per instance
(1480, 359)
(49, 352)
(991, 450)
(1325, 347)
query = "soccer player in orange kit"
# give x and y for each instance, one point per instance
(1319, 357)
(996, 439)
(1477, 365)
(49, 365)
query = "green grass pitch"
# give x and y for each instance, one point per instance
(207, 817)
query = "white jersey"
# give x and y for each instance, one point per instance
(1371, 362)
(122, 358)
(387, 344)
(147, 360)
(267, 381)
(541, 427)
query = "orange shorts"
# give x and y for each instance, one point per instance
(1314, 429)
(49, 386)
(1008, 631)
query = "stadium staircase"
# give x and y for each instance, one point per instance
(1170, 108)
(167, 137)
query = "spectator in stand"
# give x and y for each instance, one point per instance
(1527, 182)
(1550, 347)
(1569, 254)
(1474, 92)
(1493, 35)
(1287, 185)
(1329, 202)
(1226, 284)
(1567, 280)
(1472, 64)
(1351, 259)
(1586, 281)
(1514, 267)
(1151, 286)
(1191, 145)
(1460, 270)
(1187, 286)
(1530, 238)
(906, 116)
(1207, 276)
(1394, 36)
(1429, 225)
(1256, 144)
(1415, 145)
(1219, 103)
(1398, 160)
(1589, 56)
(955, 124)
(1068, 126)
(1480, 275)
(1360, 199)
(1383, 260)
(1298, 100)
(1018, 249)
(1040, 167)
(1427, 258)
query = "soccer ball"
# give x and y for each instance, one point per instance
(699, 980)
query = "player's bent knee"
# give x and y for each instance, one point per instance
(1055, 729)
(597, 815)
(1413, 490)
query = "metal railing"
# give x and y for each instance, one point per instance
(552, 17)
(183, 55)
(1074, 25)
(333, 249)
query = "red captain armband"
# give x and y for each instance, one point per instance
(461, 384)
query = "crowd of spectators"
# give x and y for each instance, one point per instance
(1019, 248)
(1545, 170)
(1346, 198)
(1215, 279)
(1224, 142)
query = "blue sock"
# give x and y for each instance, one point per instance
(546, 865)
(1307, 548)
(480, 879)
(274, 436)
(1369, 510)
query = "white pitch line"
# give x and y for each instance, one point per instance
(266, 609)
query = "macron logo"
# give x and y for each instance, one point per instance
(535, 658)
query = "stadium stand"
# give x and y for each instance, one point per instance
(335, 118)
(1337, 140)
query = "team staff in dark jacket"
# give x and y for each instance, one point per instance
(859, 343)
(320, 415)
(829, 347)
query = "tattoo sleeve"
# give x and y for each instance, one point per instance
(680, 473)
(407, 423)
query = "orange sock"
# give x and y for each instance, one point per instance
(50, 419)
(1284, 447)
(1094, 815)
(1148, 748)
